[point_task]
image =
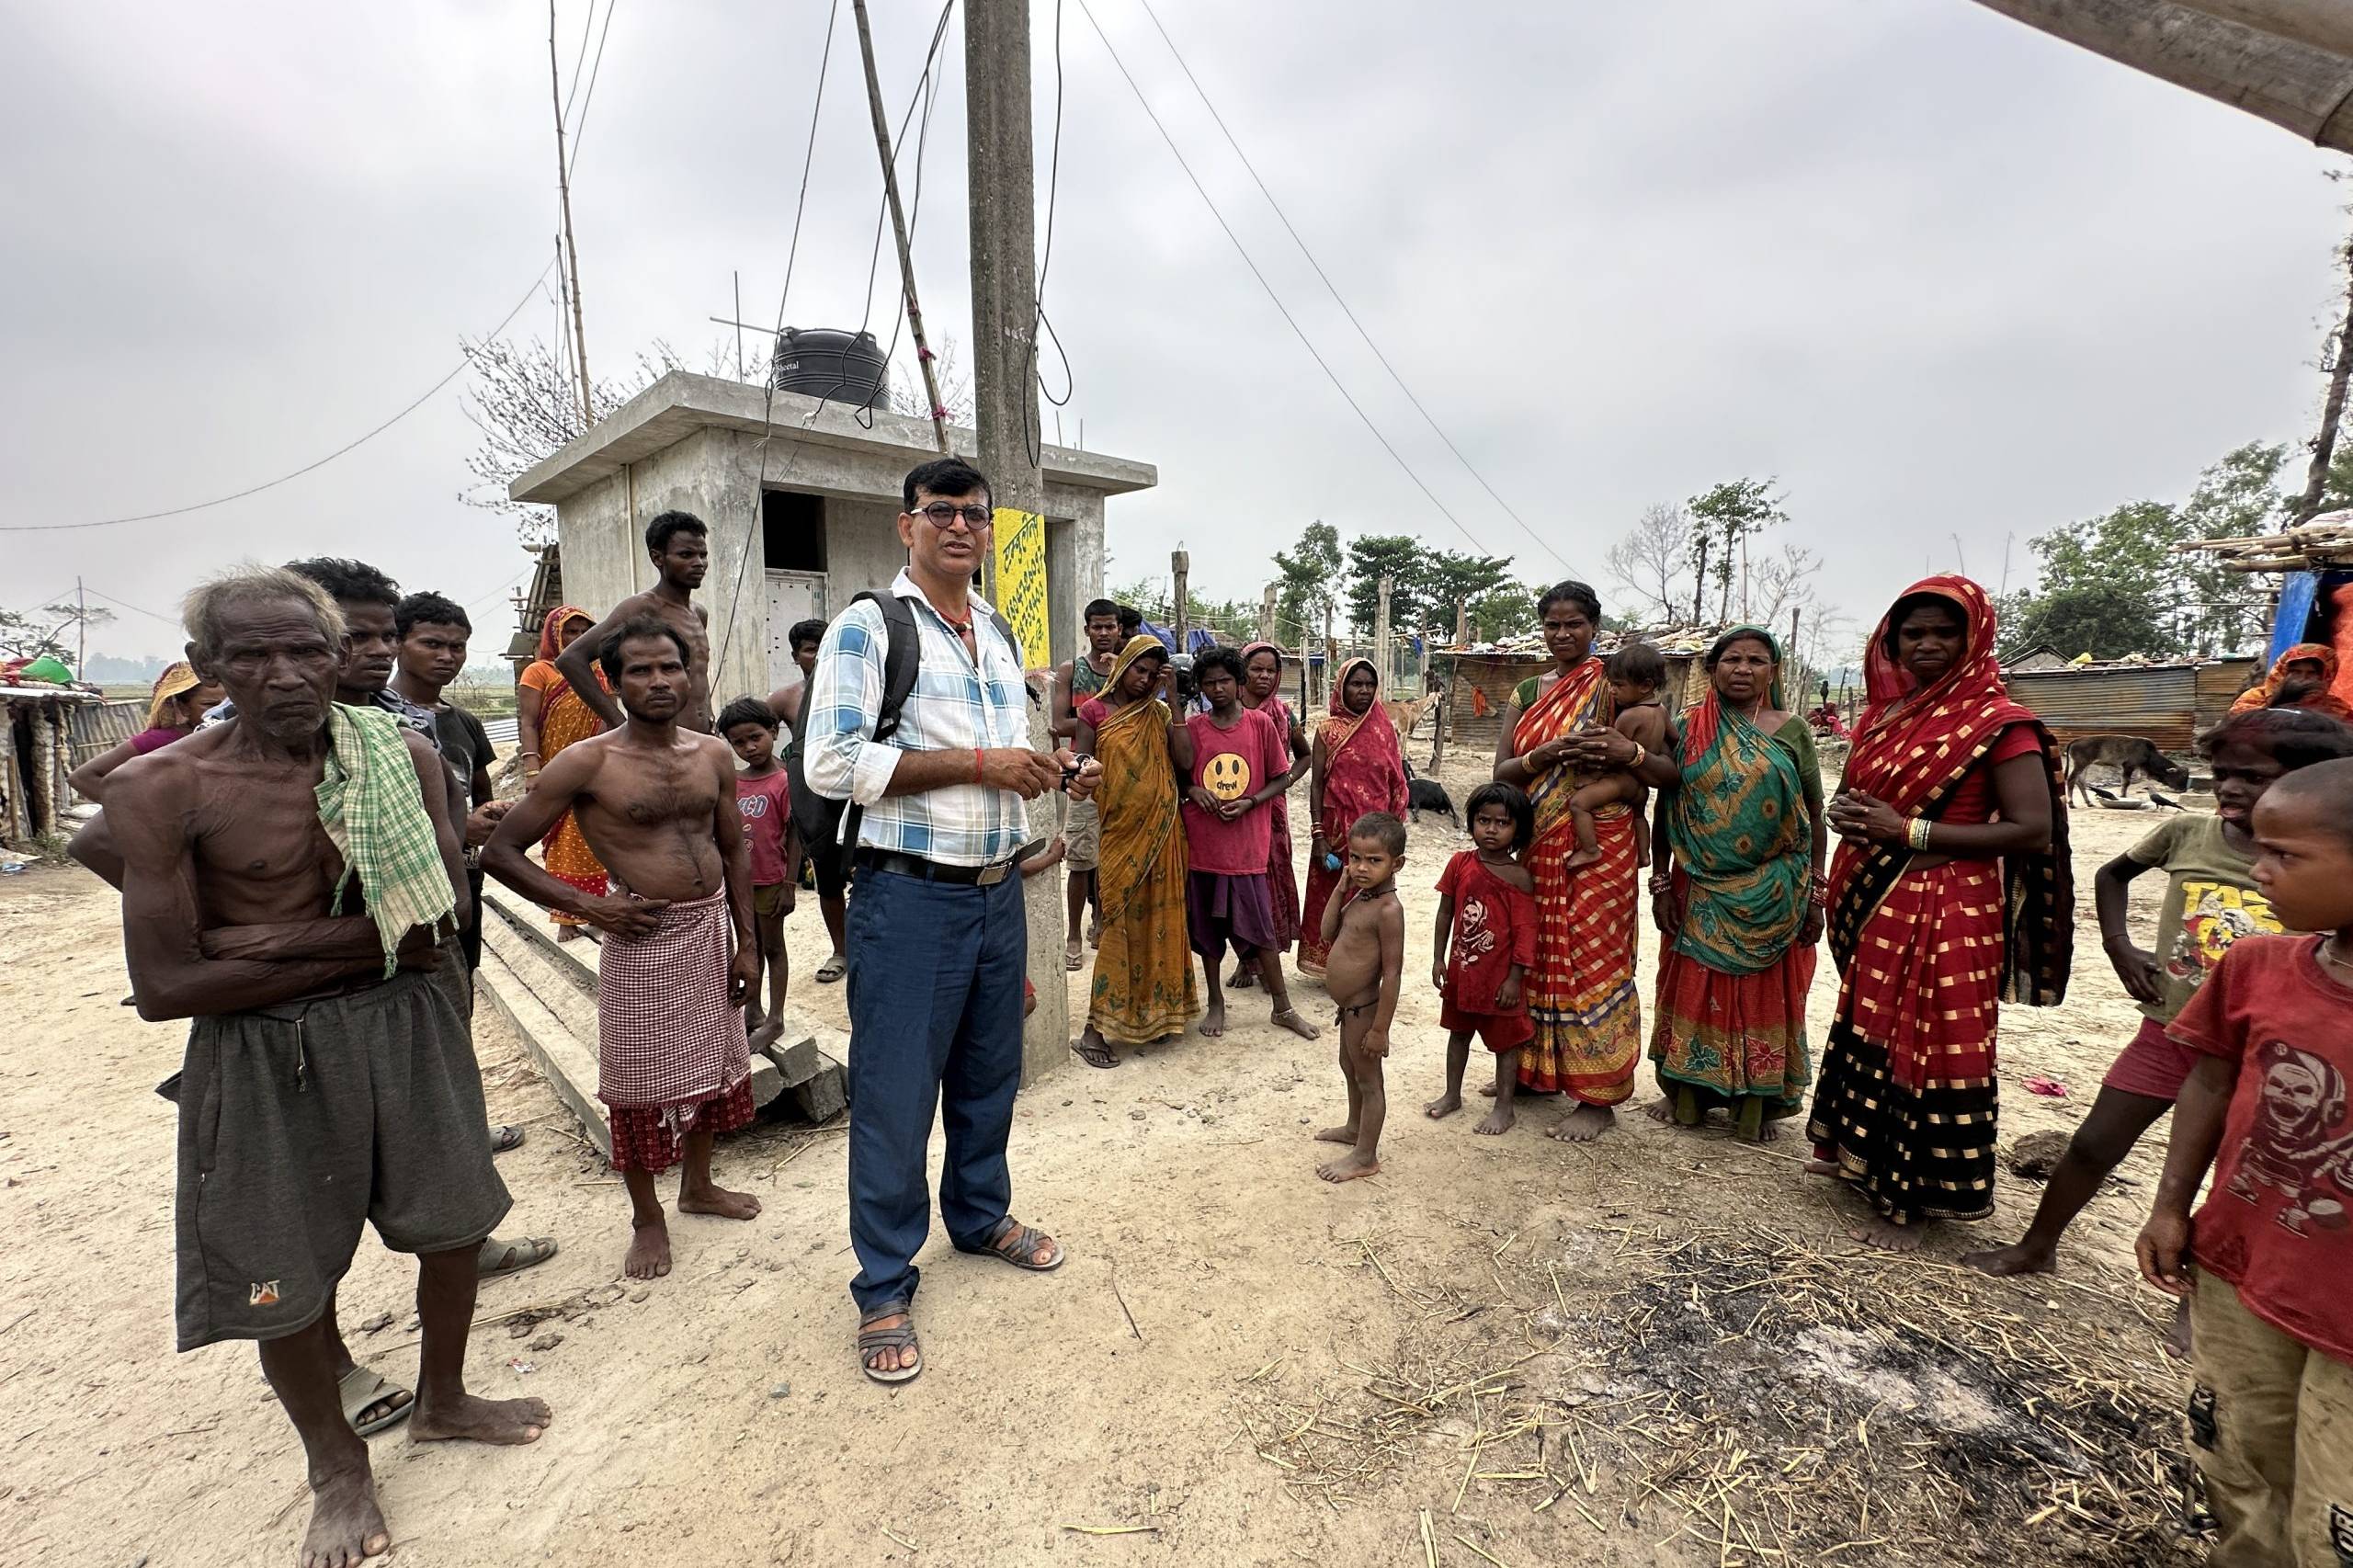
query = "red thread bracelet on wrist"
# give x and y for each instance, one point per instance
(980, 766)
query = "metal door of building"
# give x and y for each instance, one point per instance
(793, 597)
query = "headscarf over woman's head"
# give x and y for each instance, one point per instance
(556, 618)
(176, 679)
(2321, 699)
(1138, 647)
(1975, 672)
(1334, 705)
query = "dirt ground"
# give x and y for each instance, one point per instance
(1660, 1348)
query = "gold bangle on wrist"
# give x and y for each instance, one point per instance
(1916, 833)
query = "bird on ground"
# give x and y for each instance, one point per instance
(2164, 799)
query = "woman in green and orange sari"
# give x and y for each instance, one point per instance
(1144, 988)
(1738, 892)
(1581, 992)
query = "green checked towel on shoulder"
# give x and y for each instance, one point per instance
(370, 805)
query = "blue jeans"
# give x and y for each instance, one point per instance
(935, 1018)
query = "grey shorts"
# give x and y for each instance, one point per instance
(1082, 835)
(302, 1121)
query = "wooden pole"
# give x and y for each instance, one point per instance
(899, 222)
(2332, 412)
(1003, 200)
(1331, 650)
(1381, 662)
(1267, 615)
(1461, 621)
(571, 251)
(81, 632)
(1180, 568)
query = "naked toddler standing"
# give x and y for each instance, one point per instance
(1364, 925)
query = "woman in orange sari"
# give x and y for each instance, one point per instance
(1581, 992)
(1357, 764)
(1950, 894)
(2303, 677)
(1143, 989)
(550, 716)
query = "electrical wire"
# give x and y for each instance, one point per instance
(1033, 428)
(1284, 310)
(589, 97)
(588, 26)
(355, 442)
(1338, 298)
(754, 527)
(926, 94)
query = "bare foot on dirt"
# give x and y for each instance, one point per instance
(1498, 1120)
(767, 1034)
(649, 1252)
(1245, 976)
(1584, 1124)
(1356, 1163)
(1888, 1237)
(1213, 1021)
(1337, 1135)
(480, 1420)
(347, 1527)
(1662, 1110)
(717, 1200)
(1822, 1167)
(1288, 1019)
(2002, 1262)
(1445, 1105)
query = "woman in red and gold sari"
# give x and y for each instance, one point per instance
(1581, 992)
(1357, 764)
(550, 716)
(1950, 894)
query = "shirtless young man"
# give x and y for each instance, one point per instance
(1075, 681)
(322, 1091)
(1364, 925)
(657, 803)
(680, 548)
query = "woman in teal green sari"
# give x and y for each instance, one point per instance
(1737, 892)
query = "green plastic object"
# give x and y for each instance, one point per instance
(46, 667)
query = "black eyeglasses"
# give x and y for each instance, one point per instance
(943, 515)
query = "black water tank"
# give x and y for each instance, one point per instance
(840, 367)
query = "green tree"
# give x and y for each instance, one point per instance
(2234, 498)
(1720, 520)
(1308, 579)
(1400, 557)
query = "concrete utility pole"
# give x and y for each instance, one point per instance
(1005, 321)
(571, 251)
(1331, 651)
(1381, 660)
(1180, 570)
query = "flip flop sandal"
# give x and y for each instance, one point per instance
(359, 1389)
(832, 970)
(498, 1258)
(502, 1138)
(1073, 961)
(1019, 1245)
(901, 1337)
(1094, 1056)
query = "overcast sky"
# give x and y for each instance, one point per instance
(1942, 274)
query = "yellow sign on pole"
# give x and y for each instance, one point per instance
(1021, 582)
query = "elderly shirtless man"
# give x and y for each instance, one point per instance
(679, 547)
(657, 803)
(289, 877)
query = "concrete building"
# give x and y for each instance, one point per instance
(825, 526)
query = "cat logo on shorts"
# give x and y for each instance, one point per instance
(1227, 776)
(263, 1293)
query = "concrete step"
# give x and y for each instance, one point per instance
(562, 977)
(568, 1063)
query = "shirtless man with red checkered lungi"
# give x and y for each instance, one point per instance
(657, 803)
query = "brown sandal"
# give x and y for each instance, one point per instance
(900, 1337)
(1019, 1245)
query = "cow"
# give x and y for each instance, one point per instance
(2131, 756)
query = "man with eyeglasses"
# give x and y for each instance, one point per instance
(939, 938)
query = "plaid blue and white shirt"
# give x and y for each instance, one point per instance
(954, 707)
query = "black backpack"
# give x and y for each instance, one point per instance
(902, 657)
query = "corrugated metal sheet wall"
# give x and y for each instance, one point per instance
(2158, 703)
